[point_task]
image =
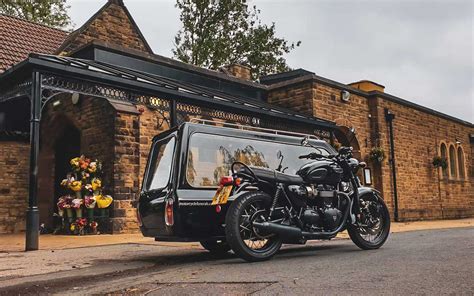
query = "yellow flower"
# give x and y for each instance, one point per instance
(75, 161)
(76, 186)
(73, 227)
(96, 184)
(103, 201)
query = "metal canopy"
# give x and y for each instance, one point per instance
(165, 88)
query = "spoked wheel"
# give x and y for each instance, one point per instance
(373, 226)
(246, 241)
(215, 247)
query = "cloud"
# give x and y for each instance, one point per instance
(420, 50)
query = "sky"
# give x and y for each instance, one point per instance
(420, 50)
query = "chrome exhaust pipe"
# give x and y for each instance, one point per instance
(284, 231)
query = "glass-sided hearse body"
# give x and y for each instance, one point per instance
(186, 164)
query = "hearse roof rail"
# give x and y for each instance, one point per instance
(253, 128)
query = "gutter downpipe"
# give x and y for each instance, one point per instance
(389, 117)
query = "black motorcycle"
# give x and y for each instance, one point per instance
(324, 198)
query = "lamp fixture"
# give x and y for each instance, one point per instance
(75, 98)
(457, 141)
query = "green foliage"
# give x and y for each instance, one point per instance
(377, 154)
(440, 162)
(52, 13)
(219, 33)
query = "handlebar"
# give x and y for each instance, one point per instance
(312, 155)
(343, 151)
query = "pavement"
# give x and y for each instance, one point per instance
(420, 262)
(16, 242)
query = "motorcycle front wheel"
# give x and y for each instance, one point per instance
(242, 237)
(373, 226)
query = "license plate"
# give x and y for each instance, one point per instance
(222, 195)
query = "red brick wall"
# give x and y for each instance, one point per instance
(14, 164)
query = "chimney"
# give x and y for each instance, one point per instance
(240, 71)
(367, 85)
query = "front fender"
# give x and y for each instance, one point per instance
(366, 190)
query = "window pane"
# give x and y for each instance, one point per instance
(452, 161)
(160, 168)
(444, 155)
(460, 162)
(210, 157)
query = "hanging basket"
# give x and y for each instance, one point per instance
(377, 155)
(440, 162)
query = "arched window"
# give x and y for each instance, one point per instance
(461, 163)
(444, 155)
(452, 161)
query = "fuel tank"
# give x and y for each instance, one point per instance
(321, 172)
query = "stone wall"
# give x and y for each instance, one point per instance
(112, 24)
(421, 195)
(94, 119)
(423, 192)
(14, 164)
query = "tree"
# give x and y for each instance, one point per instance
(52, 13)
(218, 33)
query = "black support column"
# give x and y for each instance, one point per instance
(173, 113)
(389, 117)
(32, 213)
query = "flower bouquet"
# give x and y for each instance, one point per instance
(89, 203)
(76, 205)
(84, 186)
(65, 204)
(78, 226)
(103, 202)
(93, 227)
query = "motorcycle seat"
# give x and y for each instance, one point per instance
(274, 176)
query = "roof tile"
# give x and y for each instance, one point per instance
(19, 38)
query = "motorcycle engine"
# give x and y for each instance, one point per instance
(319, 206)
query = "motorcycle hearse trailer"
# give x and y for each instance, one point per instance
(184, 193)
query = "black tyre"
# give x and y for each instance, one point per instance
(373, 226)
(244, 239)
(215, 246)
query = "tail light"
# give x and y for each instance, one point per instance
(238, 181)
(226, 180)
(139, 218)
(169, 218)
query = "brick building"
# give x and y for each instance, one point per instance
(111, 122)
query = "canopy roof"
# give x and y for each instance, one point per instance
(126, 79)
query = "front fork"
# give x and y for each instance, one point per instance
(355, 209)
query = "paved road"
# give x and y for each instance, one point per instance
(419, 262)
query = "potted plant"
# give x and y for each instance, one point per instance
(377, 154)
(440, 162)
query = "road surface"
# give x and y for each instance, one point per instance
(419, 262)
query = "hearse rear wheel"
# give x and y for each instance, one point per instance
(215, 246)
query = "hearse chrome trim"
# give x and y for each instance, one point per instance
(252, 128)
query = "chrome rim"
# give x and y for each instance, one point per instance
(255, 241)
(371, 222)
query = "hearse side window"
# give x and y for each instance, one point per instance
(160, 166)
(210, 156)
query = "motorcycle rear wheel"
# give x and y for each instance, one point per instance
(243, 239)
(373, 226)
